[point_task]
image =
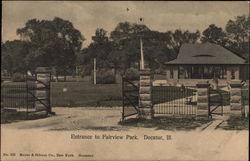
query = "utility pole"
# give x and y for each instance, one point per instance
(94, 70)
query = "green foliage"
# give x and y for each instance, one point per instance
(214, 34)
(14, 56)
(18, 77)
(132, 74)
(235, 37)
(105, 77)
(53, 43)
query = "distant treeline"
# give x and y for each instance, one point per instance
(57, 43)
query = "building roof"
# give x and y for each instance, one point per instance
(206, 53)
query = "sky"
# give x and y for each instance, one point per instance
(87, 16)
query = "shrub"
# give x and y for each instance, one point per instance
(18, 77)
(105, 77)
(132, 74)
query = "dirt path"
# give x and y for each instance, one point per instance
(53, 135)
(74, 119)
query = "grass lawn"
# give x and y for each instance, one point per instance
(85, 94)
(166, 123)
(163, 94)
(237, 123)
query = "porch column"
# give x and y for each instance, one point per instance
(237, 73)
(146, 110)
(168, 74)
(175, 72)
(229, 73)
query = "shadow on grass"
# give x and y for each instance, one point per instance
(14, 116)
(166, 123)
(237, 123)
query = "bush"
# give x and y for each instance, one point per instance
(132, 74)
(105, 77)
(18, 77)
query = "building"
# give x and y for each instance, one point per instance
(206, 61)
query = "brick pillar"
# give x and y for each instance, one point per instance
(43, 78)
(202, 92)
(235, 95)
(146, 110)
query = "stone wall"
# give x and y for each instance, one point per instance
(202, 95)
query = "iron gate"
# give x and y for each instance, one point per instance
(21, 96)
(217, 98)
(130, 98)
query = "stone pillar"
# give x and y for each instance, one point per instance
(202, 95)
(146, 110)
(235, 95)
(43, 89)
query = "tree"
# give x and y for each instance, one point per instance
(238, 34)
(214, 34)
(53, 43)
(14, 55)
(158, 47)
(127, 30)
(179, 37)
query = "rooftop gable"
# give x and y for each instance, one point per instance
(206, 53)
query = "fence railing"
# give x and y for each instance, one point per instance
(16, 95)
(174, 100)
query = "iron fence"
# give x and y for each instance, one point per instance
(174, 100)
(15, 95)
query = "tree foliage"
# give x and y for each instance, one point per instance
(53, 43)
(14, 55)
(214, 34)
(235, 37)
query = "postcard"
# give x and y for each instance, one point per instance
(125, 80)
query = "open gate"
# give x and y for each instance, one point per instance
(39, 92)
(130, 98)
(23, 97)
(216, 101)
